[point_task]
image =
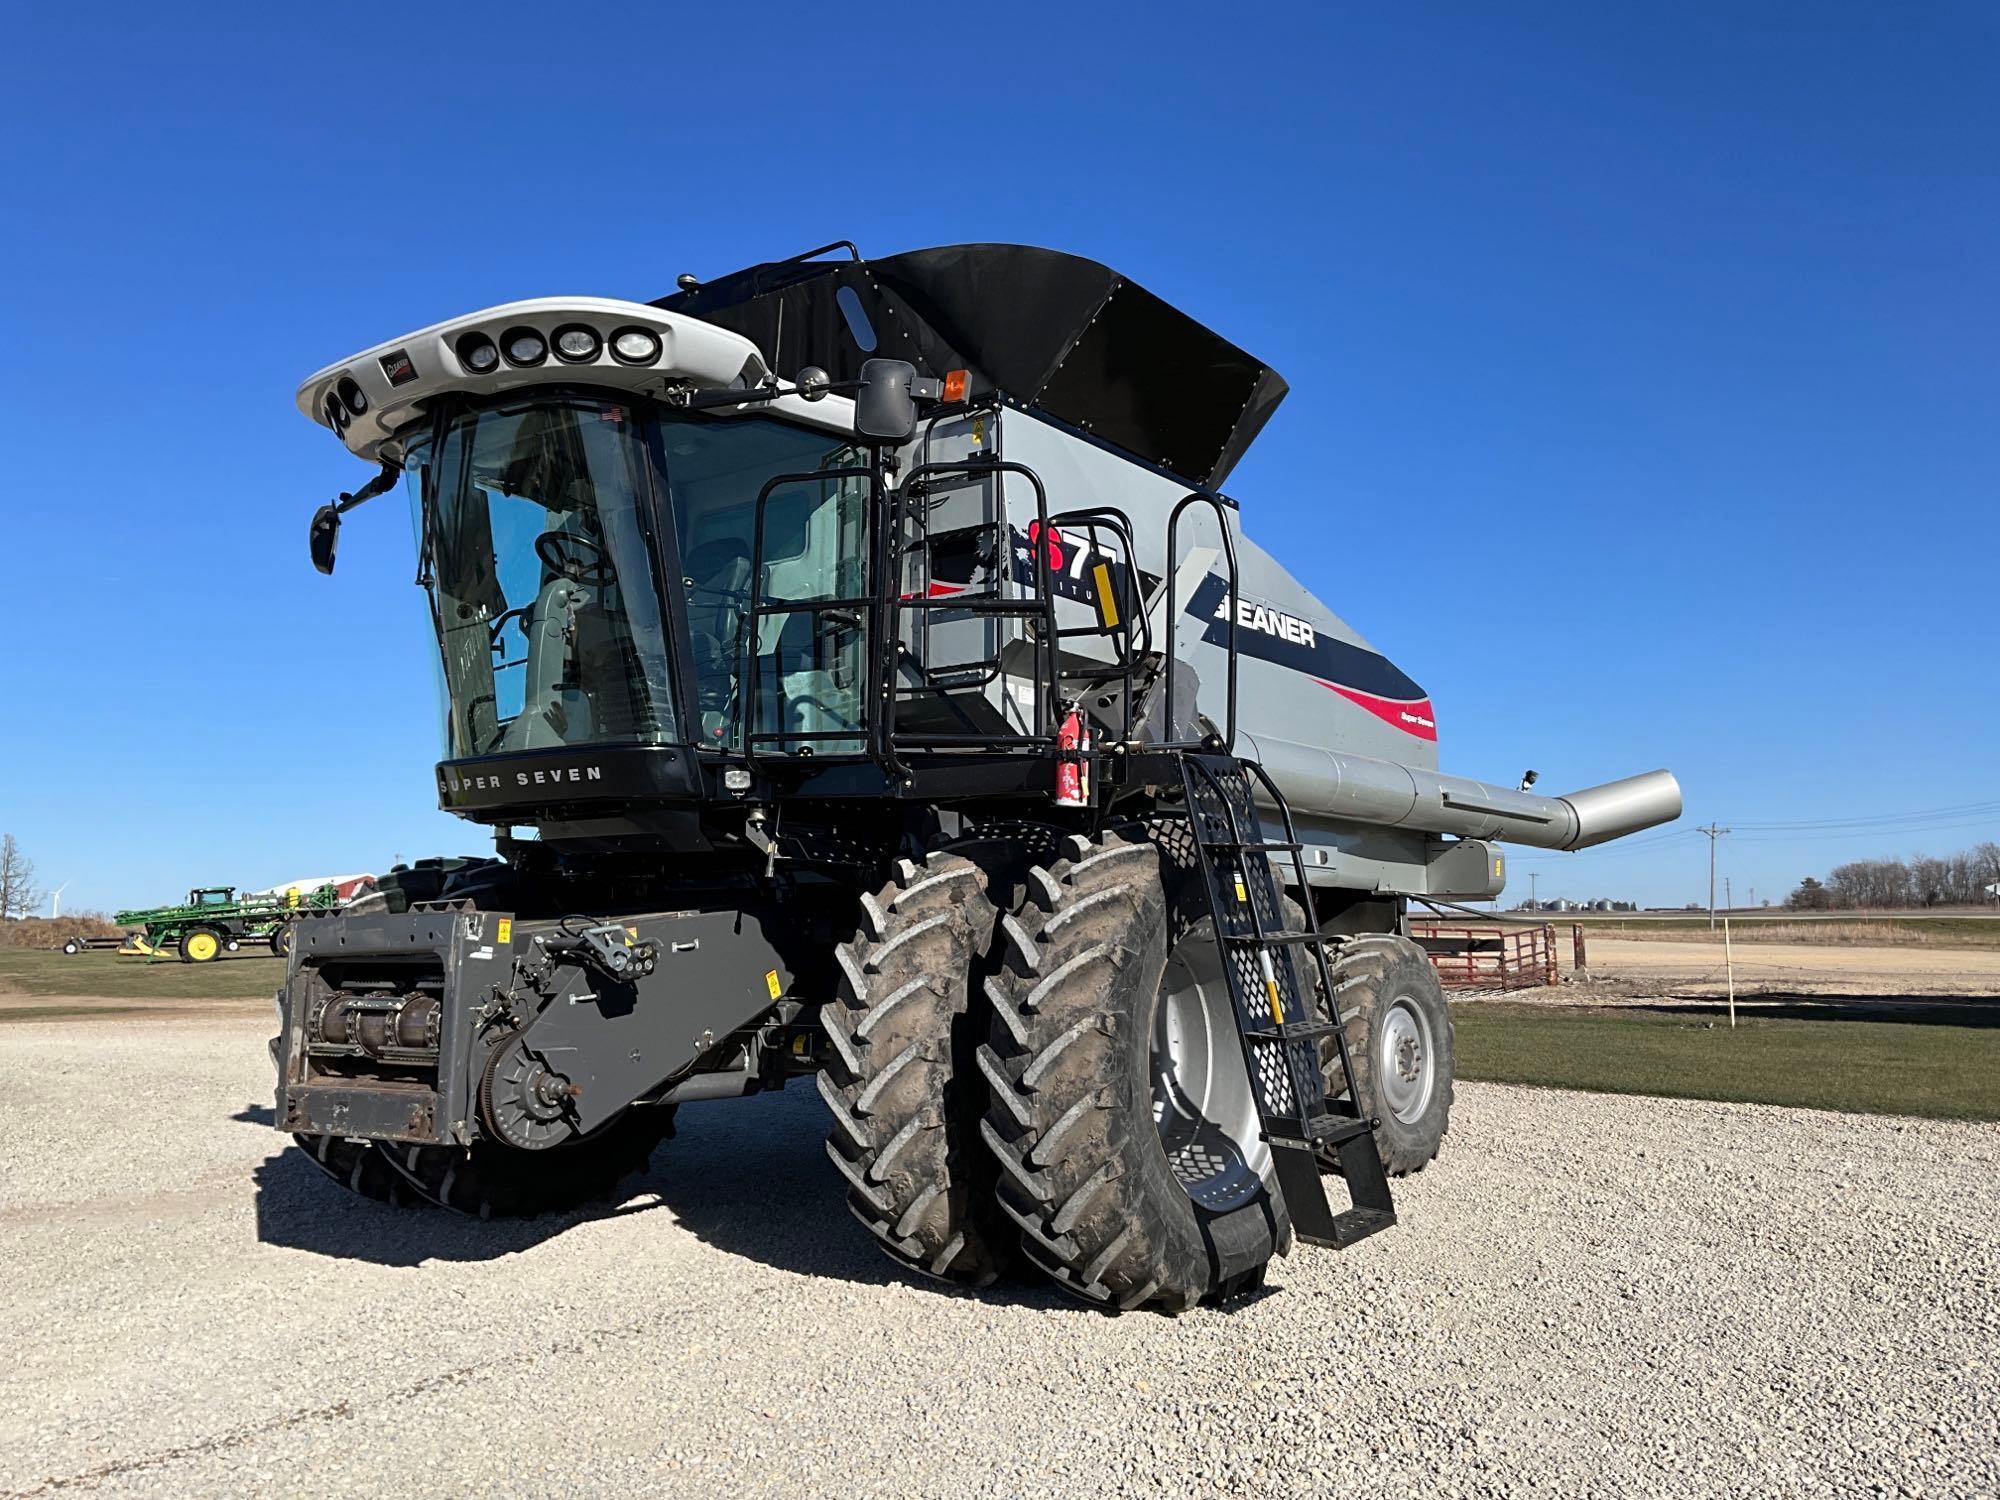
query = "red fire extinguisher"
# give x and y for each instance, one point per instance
(1072, 785)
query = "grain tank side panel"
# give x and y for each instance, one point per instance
(1303, 672)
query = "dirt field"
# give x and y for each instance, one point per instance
(1587, 1295)
(1647, 968)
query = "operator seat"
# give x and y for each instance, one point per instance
(718, 593)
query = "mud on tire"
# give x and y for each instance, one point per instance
(1395, 1017)
(1084, 1173)
(905, 1096)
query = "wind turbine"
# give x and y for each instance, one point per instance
(55, 897)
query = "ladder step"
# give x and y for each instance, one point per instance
(1250, 848)
(1358, 1223)
(1320, 1130)
(1292, 1031)
(1270, 939)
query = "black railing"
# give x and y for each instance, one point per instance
(1199, 497)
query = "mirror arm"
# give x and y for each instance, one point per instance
(382, 483)
(695, 400)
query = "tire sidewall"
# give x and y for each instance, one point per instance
(1406, 974)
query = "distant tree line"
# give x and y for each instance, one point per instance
(1922, 880)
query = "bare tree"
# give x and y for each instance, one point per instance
(17, 880)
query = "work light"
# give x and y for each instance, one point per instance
(477, 354)
(635, 346)
(524, 346)
(576, 345)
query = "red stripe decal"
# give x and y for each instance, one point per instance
(1411, 715)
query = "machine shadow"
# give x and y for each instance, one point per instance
(749, 1177)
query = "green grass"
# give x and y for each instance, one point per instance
(1944, 1072)
(230, 977)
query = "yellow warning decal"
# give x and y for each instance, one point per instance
(1242, 891)
(1107, 602)
(771, 984)
(504, 933)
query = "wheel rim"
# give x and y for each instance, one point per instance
(200, 946)
(1405, 1060)
(1203, 1107)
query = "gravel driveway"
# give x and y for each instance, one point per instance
(1586, 1296)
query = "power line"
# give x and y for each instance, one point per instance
(1961, 810)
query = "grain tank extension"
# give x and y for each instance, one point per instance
(895, 701)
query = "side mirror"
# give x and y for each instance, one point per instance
(324, 537)
(885, 408)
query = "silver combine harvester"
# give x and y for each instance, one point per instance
(867, 678)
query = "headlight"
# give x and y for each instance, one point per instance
(635, 346)
(352, 396)
(577, 345)
(336, 414)
(524, 346)
(477, 354)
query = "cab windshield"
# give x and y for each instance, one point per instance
(536, 522)
(541, 578)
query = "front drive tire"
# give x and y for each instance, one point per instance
(200, 945)
(1399, 1037)
(1097, 972)
(905, 1097)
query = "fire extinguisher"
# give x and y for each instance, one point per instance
(1072, 783)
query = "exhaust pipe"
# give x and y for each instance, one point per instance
(1361, 789)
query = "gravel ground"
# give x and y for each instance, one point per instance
(1586, 1295)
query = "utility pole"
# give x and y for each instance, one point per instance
(1533, 903)
(1713, 833)
(1728, 900)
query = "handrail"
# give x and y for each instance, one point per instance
(760, 609)
(1209, 499)
(1047, 689)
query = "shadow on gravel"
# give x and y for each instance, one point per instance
(1779, 1005)
(751, 1178)
(748, 1176)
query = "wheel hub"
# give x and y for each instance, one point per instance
(1203, 1106)
(1406, 1062)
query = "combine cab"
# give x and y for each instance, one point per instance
(897, 702)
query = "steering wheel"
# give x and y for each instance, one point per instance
(584, 562)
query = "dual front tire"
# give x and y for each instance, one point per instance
(1101, 1124)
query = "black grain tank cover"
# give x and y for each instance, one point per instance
(1055, 332)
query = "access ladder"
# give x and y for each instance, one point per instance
(1280, 1028)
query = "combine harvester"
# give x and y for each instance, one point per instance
(895, 701)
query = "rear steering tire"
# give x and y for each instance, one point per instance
(1121, 1116)
(1400, 1042)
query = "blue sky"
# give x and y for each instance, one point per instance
(1643, 365)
